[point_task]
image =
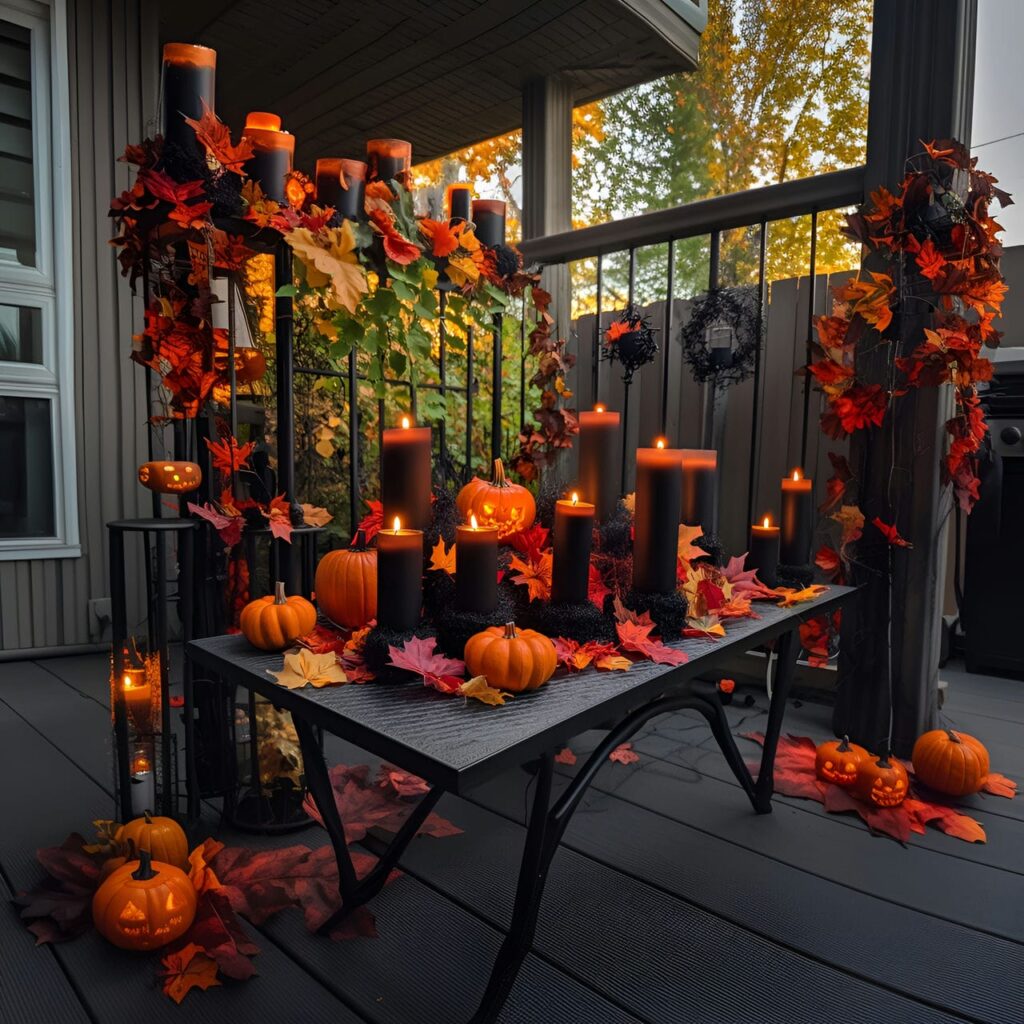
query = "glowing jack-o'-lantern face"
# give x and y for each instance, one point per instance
(836, 761)
(170, 477)
(882, 782)
(144, 904)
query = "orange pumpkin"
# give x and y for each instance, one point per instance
(837, 760)
(271, 623)
(163, 837)
(170, 477)
(144, 904)
(511, 659)
(881, 781)
(346, 584)
(950, 762)
(498, 502)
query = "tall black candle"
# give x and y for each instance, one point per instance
(341, 184)
(476, 567)
(797, 519)
(600, 446)
(399, 577)
(405, 474)
(659, 484)
(700, 469)
(459, 199)
(489, 221)
(187, 87)
(763, 554)
(571, 541)
(389, 159)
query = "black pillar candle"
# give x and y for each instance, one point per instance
(659, 483)
(476, 567)
(700, 470)
(399, 577)
(389, 159)
(797, 519)
(763, 555)
(327, 177)
(342, 184)
(459, 199)
(273, 150)
(571, 540)
(489, 221)
(187, 88)
(599, 455)
(405, 475)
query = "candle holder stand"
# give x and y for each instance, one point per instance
(582, 621)
(794, 575)
(454, 625)
(668, 610)
(145, 743)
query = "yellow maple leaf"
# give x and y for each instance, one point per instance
(708, 624)
(479, 689)
(330, 262)
(629, 503)
(790, 596)
(314, 515)
(443, 559)
(687, 550)
(302, 668)
(580, 659)
(535, 576)
(613, 663)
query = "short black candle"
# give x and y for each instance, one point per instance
(659, 484)
(187, 86)
(571, 541)
(489, 221)
(399, 577)
(388, 160)
(763, 555)
(476, 567)
(459, 199)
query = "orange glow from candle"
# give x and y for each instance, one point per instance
(660, 443)
(473, 523)
(796, 474)
(598, 408)
(406, 423)
(190, 53)
(398, 524)
(575, 498)
(141, 763)
(264, 120)
(767, 522)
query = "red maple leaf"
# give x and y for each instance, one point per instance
(279, 518)
(372, 523)
(323, 640)
(218, 931)
(396, 247)
(186, 968)
(565, 756)
(404, 784)
(215, 137)
(531, 542)
(418, 655)
(860, 406)
(891, 534)
(930, 261)
(635, 637)
(228, 527)
(596, 589)
(836, 486)
(228, 455)
(624, 754)
(827, 559)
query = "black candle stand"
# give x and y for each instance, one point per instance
(260, 545)
(150, 736)
(794, 575)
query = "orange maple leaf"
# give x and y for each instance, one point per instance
(443, 238)
(791, 597)
(870, 299)
(688, 551)
(441, 559)
(930, 260)
(200, 873)
(215, 137)
(535, 575)
(186, 969)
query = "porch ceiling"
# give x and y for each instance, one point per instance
(443, 74)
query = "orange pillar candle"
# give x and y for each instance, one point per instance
(459, 202)
(138, 697)
(797, 519)
(341, 184)
(571, 540)
(659, 483)
(399, 576)
(143, 789)
(187, 88)
(700, 470)
(273, 151)
(476, 567)
(405, 474)
(389, 159)
(763, 553)
(489, 221)
(598, 474)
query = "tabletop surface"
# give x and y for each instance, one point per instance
(457, 742)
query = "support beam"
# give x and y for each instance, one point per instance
(922, 83)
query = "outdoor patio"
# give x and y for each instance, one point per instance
(669, 900)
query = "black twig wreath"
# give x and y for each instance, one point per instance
(631, 341)
(736, 308)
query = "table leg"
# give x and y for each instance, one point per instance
(787, 650)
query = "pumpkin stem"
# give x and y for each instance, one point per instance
(499, 474)
(144, 872)
(359, 541)
(279, 595)
(844, 744)
(954, 738)
(510, 630)
(148, 815)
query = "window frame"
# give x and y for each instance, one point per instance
(49, 285)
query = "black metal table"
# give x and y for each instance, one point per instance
(456, 747)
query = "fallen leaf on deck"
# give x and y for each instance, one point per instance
(999, 785)
(478, 689)
(404, 784)
(792, 597)
(418, 655)
(565, 756)
(186, 969)
(636, 637)
(200, 873)
(304, 668)
(624, 754)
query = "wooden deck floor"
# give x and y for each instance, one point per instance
(670, 902)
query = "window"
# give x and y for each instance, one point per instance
(38, 494)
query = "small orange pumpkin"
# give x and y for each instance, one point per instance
(950, 762)
(881, 781)
(511, 659)
(346, 584)
(837, 760)
(498, 502)
(170, 477)
(271, 623)
(144, 904)
(163, 837)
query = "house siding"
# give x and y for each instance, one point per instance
(113, 74)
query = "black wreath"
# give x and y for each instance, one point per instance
(630, 341)
(737, 308)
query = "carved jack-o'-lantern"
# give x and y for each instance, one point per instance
(882, 782)
(508, 506)
(837, 761)
(170, 477)
(144, 904)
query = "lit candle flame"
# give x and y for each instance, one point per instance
(473, 523)
(598, 408)
(575, 498)
(128, 684)
(140, 764)
(660, 443)
(398, 524)
(796, 474)
(767, 522)
(405, 423)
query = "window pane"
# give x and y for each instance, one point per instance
(26, 494)
(17, 187)
(21, 334)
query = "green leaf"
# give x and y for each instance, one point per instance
(286, 291)
(420, 342)
(398, 362)
(405, 291)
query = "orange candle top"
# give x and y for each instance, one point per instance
(263, 119)
(489, 206)
(397, 535)
(796, 481)
(659, 455)
(190, 53)
(697, 458)
(465, 531)
(598, 416)
(389, 147)
(134, 679)
(572, 506)
(406, 433)
(260, 131)
(764, 528)
(354, 169)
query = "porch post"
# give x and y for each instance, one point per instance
(922, 85)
